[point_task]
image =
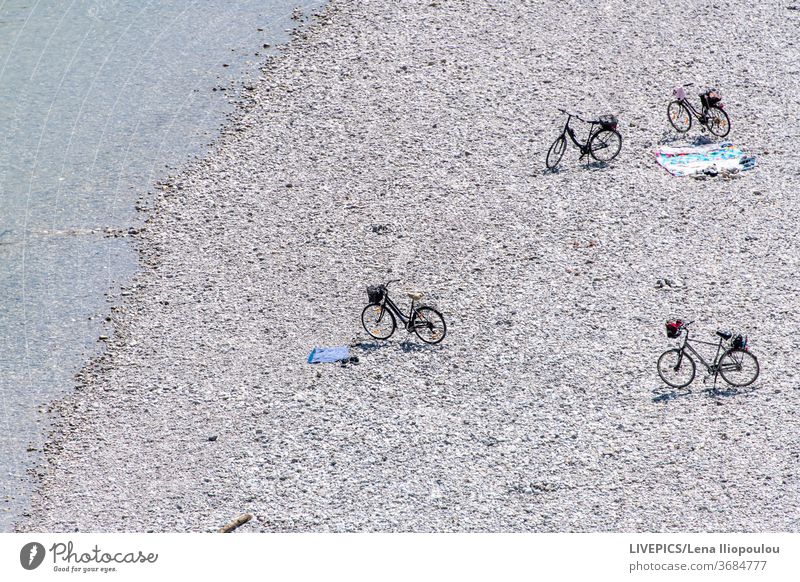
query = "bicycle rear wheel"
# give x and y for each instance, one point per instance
(378, 321)
(605, 145)
(556, 152)
(429, 325)
(676, 368)
(718, 121)
(679, 116)
(738, 367)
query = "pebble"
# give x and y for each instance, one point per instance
(368, 132)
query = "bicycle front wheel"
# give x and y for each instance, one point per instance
(718, 121)
(556, 152)
(605, 145)
(676, 368)
(429, 325)
(679, 117)
(378, 321)
(738, 367)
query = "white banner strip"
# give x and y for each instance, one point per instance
(382, 557)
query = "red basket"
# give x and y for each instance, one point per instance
(674, 328)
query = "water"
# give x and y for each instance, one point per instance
(96, 98)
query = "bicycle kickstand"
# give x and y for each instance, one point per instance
(714, 386)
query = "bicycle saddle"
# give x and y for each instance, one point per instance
(726, 335)
(414, 295)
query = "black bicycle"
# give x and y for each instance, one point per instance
(603, 142)
(712, 113)
(379, 318)
(736, 365)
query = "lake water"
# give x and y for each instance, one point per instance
(96, 98)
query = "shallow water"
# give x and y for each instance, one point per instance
(96, 98)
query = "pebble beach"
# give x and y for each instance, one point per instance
(406, 140)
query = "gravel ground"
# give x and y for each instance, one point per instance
(407, 140)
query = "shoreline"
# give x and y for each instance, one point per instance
(411, 144)
(120, 93)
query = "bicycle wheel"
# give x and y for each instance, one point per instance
(738, 367)
(679, 116)
(718, 121)
(605, 145)
(676, 368)
(556, 152)
(378, 321)
(429, 325)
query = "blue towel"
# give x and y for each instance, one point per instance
(323, 355)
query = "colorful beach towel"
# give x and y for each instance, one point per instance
(704, 159)
(325, 355)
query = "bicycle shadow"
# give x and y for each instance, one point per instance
(409, 347)
(406, 346)
(589, 166)
(729, 391)
(371, 347)
(671, 138)
(703, 140)
(666, 394)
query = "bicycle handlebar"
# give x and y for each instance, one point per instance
(392, 281)
(575, 115)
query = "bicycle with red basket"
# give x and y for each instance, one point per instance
(734, 362)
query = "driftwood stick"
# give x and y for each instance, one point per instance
(236, 523)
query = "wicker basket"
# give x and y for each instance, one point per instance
(375, 293)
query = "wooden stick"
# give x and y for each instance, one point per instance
(236, 523)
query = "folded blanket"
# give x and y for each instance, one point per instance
(324, 355)
(703, 159)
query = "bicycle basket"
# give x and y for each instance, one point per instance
(679, 92)
(739, 342)
(674, 328)
(607, 121)
(710, 97)
(375, 293)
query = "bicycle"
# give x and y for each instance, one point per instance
(712, 113)
(603, 144)
(379, 316)
(737, 366)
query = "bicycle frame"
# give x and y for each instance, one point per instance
(571, 133)
(700, 115)
(392, 306)
(711, 368)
